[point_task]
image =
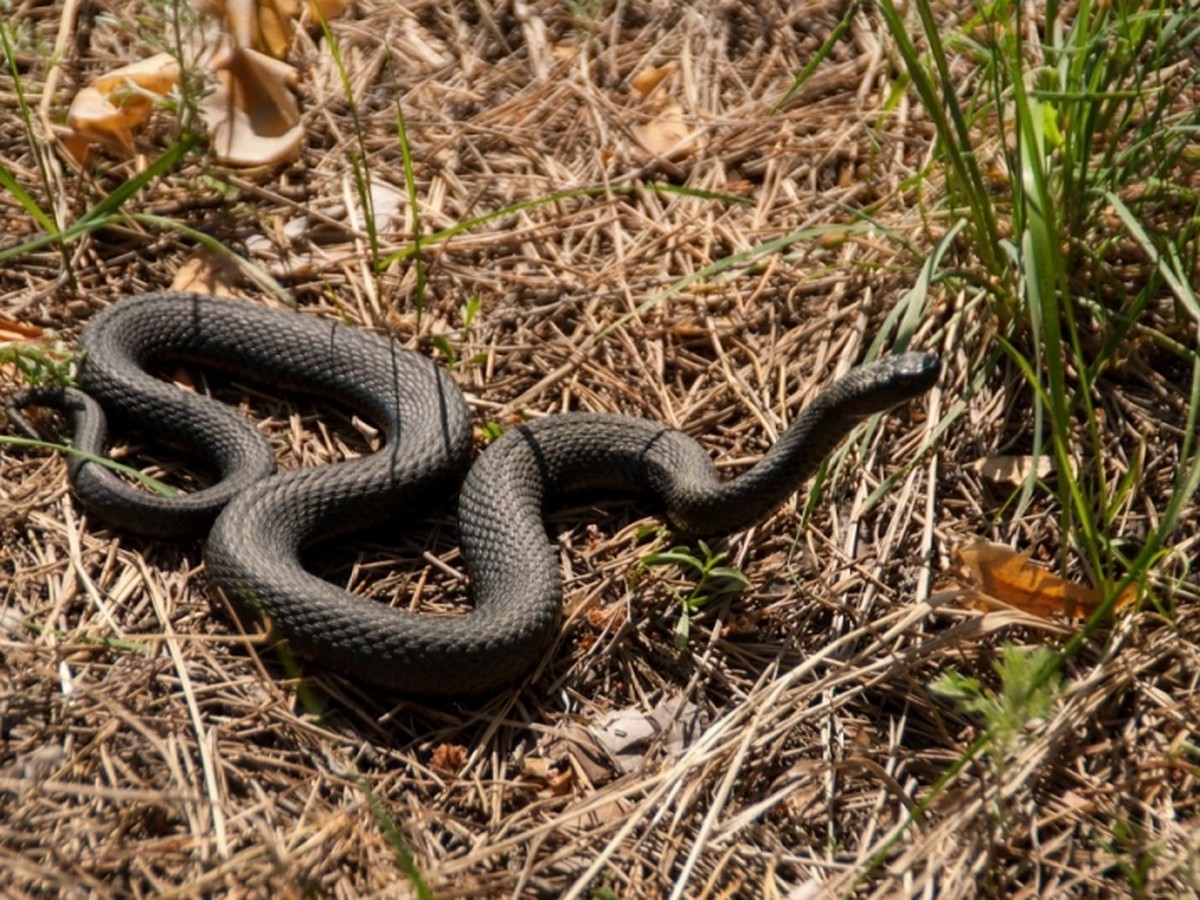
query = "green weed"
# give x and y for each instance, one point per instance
(1134, 857)
(404, 856)
(454, 360)
(51, 367)
(358, 154)
(712, 579)
(38, 366)
(1029, 683)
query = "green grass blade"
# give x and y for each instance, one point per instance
(10, 184)
(148, 481)
(819, 57)
(103, 212)
(134, 186)
(414, 205)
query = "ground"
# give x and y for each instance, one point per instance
(573, 258)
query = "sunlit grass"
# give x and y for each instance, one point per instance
(1060, 148)
(1055, 153)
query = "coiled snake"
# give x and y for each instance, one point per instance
(259, 520)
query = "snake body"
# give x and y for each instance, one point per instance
(262, 520)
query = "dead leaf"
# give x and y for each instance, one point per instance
(449, 759)
(551, 780)
(649, 78)
(252, 115)
(998, 577)
(276, 26)
(328, 9)
(609, 617)
(627, 735)
(559, 775)
(268, 26)
(206, 272)
(665, 136)
(1012, 470)
(578, 748)
(118, 102)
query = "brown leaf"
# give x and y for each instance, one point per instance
(251, 114)
(579, 749)
(449, 759)
(551, 780)
(649, 78)
(667, 135)
(999, 577)
(206, 272)
(252, 117)
(276, 25)
(268, 25)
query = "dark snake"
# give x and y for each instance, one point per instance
(258, 521)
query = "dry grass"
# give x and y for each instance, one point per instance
(147, 747)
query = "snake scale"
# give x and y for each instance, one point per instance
(257, 520)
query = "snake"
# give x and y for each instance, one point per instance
(257, 521)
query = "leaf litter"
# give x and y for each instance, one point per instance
(204, 762)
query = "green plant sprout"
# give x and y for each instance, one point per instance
(454, 360)
(43, 367)
(1024, 695)
(712, 580)
(38, 366)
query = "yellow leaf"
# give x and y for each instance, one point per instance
(649, 78)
